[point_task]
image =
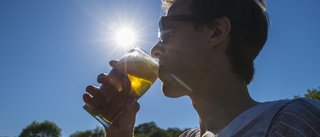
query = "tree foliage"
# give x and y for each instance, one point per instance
(143, 130)
(152, 130)
(44, 129)
(312, 93)
(174, 132)
(97, 132)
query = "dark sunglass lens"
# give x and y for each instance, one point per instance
(160, 36)
(160, 30)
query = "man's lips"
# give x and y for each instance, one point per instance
(161, 60)
(160, 71)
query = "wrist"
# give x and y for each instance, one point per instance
(128, 132)
(120, 134)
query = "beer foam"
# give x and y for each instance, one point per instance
(139, 64)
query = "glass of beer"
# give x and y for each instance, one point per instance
(136, 66)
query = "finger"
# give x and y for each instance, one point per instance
(128, 116)
(102, 78)
(120, 81)
(126, 85)
(99, 102)
(93, 90)
(109, 91)
(113, 63)
(87, 98)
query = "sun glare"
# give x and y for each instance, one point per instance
(125, 37)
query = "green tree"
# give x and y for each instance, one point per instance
(145, 128)
(174, 132)
(44, 129)
(312, 93)
(158, 133)
(97, 132)
(152, 130)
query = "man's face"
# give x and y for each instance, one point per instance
(182, 57)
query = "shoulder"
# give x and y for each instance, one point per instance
(298, 117)
(254, 121)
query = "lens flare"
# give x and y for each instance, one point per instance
(181, 82)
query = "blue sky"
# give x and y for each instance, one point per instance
(51, 50)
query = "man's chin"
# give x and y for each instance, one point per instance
(171, 92)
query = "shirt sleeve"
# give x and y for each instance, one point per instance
(191, 133)
(298, 118)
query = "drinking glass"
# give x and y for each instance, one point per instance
(140, 69)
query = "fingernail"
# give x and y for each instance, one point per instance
(101, 75)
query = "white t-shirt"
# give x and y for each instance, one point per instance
(283, 118)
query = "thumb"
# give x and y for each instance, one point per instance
(132, 106)
(128, 117)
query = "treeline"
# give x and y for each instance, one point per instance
(152, 130)
(142, 130)
(50, 129)
(312, 93)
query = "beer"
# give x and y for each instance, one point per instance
(137, 67)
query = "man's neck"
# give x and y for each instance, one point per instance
(218, 105)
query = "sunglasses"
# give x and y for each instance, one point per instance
(164, 29)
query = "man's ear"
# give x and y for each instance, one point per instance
(220, 30)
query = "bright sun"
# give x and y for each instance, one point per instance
(125, 37)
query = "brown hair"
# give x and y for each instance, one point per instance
(249, 28)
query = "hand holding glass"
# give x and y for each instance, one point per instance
(141, 71)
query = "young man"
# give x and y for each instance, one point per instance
(206, 51)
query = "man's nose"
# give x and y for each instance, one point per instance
(158, 50)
